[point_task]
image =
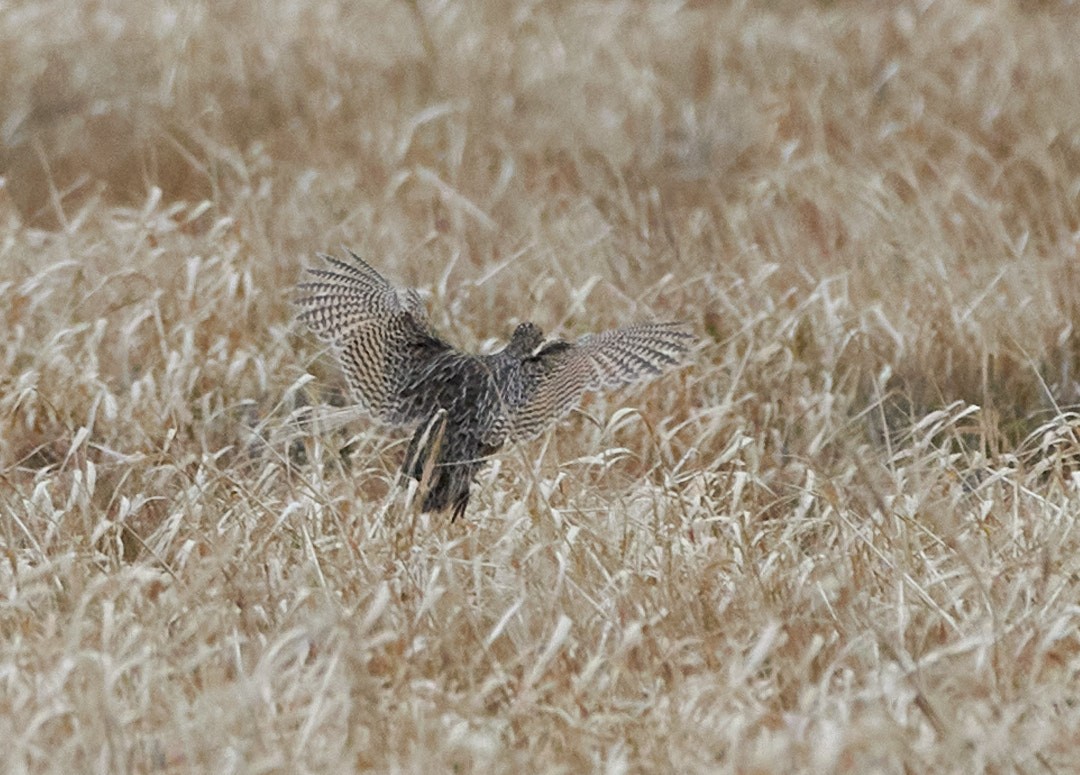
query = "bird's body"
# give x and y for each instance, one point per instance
(458, 438)
(465, 407)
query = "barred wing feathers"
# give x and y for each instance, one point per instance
(381, 332)
(554, 380)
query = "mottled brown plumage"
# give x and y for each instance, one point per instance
(465, 407)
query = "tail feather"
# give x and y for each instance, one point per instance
(446, 483)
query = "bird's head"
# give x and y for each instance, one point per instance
(527, 337)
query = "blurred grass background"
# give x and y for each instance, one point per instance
(841, 540)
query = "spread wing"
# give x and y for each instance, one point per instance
(553, 381)
(382, 334)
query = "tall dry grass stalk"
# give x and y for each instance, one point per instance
(843, 540)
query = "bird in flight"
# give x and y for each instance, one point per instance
(465, 407)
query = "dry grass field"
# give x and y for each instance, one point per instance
(842, 538)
